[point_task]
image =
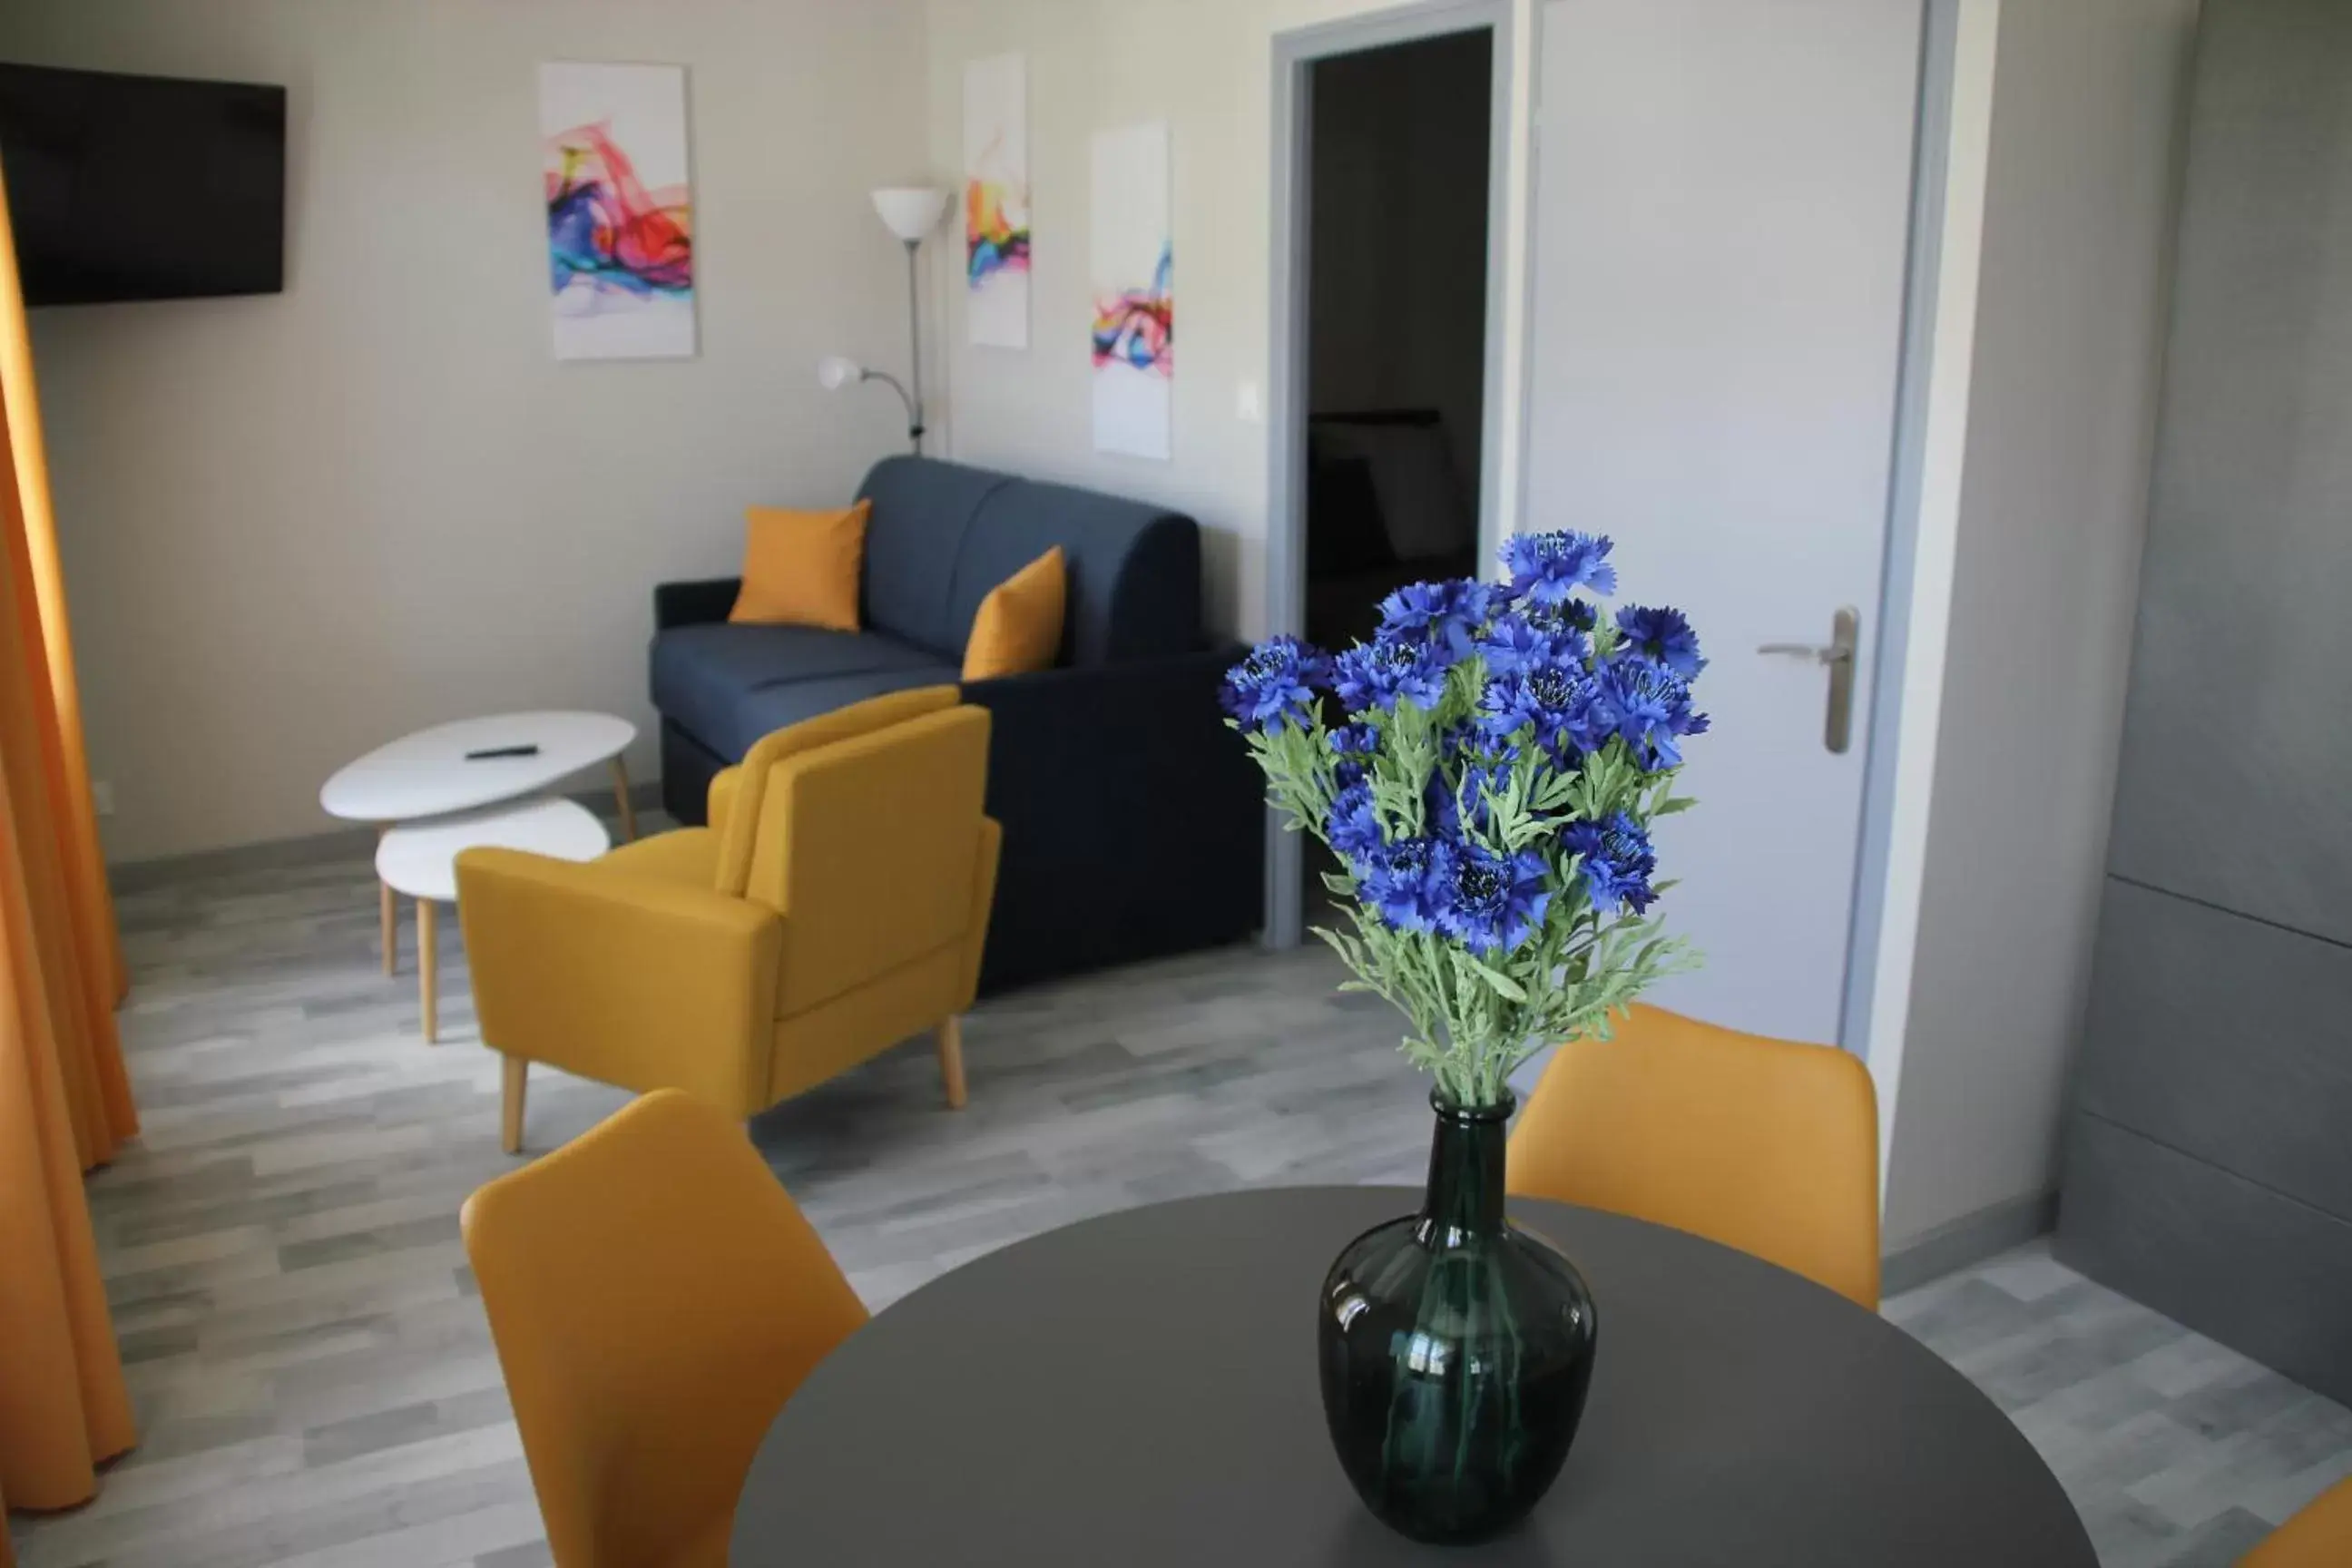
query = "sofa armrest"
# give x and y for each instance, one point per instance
(1122, 771)
(1161, 703)
(694, 604)
(628, 980)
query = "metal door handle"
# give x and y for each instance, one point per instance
(1845, 628)
(1805, 650)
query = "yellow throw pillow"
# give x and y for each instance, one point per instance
(799, 568)
(1019, 627)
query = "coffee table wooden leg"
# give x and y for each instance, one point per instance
(428, 977)
(621, 795)
(390, 918)
(514, 1078)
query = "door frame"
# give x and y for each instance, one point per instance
(1900, 575)
(1296, 53)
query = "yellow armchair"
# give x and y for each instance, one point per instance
(837, 903)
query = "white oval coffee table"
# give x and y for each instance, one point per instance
(430, 774)
(420, 859)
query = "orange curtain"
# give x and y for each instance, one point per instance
(65, 1102)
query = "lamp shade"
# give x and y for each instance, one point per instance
(910, 211)
(835, 371)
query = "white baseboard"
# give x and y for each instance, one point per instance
(311, 849)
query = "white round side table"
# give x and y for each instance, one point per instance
(420, 860)
(435, 772)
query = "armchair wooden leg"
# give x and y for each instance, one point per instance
(950, 1034)
(515, 1075)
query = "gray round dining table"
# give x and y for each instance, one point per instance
(1140, 1391)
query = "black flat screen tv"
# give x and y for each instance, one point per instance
(141, 187)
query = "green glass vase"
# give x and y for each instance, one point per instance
(1456, 1348)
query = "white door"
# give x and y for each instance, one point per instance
(1722, 210)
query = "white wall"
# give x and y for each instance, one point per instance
(296, 526)
(1206, 67)
(2077, 222)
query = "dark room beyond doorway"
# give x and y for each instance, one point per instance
(1396, 330)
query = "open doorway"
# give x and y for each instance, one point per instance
(1390, 145)
(1397, 178)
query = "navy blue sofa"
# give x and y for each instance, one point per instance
(1133, 819)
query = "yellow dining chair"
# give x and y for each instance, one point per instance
(837, 903)
(654, 1296)
(1761, 1144)
(2318, 1537)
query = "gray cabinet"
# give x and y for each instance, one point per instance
(2208, 1151)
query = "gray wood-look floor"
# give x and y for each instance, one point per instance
(316, 1383)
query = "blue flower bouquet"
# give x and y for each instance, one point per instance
(1489, 799)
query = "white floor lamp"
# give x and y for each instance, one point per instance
(911, 212)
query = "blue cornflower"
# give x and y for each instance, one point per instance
(1463, 739)
(1474, 604)
(1276, 685)
(1653, 709)
(1663, 636)
(1517, 643)
(1548, 567)
(1405, 881)
(1444, 801)
(1448, 615)
(1568, 616)
(1353, 828)
(1415, 608)
(1617, 863)
(1493, 901)
(1375, 674)
(1569, 709)
(1352, 746)
(1598, 716)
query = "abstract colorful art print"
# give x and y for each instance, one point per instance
(996, 201)
(620, 211)
(1132, 263)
